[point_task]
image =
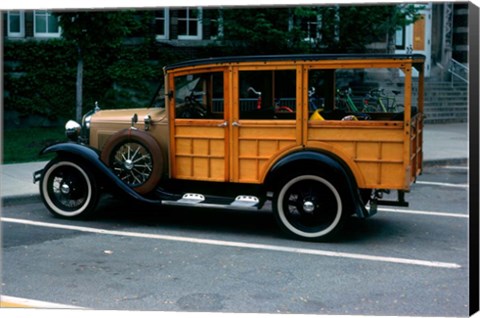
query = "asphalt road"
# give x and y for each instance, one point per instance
(403, 261)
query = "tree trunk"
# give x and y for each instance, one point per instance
(79, 88)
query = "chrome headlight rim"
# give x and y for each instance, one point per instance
(73, 130)
(86, 120)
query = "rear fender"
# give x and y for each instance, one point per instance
(91, 157)
(334, 166)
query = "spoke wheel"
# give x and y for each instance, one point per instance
(309, 207)
(68, 189)
(132, 162)
(136, 158)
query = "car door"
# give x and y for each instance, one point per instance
(199, 129)
(265, 119)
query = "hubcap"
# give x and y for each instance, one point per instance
(308, 206)
(128, 164)
(65, 188)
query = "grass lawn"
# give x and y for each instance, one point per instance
(24, 144)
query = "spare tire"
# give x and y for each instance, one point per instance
(135, 157)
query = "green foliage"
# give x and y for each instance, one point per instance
(19, 146)
(259, 31)
(97, 30)
(36, 77)
(362, 25)
(342, 29)
(40, 76)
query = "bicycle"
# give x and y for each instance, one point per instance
(345, 108)
(344, 100)
(278, 108)
(314, 100)
(382, 102)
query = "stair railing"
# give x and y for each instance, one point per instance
(458, 70)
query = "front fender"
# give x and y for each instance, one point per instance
(91, 157)
(72, 148)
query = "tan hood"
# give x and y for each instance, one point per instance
(124, 116)
(105, 123)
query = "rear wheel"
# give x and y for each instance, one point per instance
(68, 189)
(309, 207)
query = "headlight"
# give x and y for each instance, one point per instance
(72, 130)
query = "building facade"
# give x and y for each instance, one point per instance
(441, 34)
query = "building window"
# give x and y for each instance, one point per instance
(16, 24)
(190, 24)
(161, 24)
(400, 38)
(45, 24)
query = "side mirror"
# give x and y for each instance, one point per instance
(147, 121)
(134, 120)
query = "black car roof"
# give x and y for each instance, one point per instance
(290, 57)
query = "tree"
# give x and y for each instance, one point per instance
(359, 26)
(327, 29)
(94, 33)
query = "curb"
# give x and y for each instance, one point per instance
(35, 197)
(20, 199)
(443, 162)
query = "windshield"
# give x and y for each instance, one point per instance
(158, 100)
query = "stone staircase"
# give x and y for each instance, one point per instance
(446, 102)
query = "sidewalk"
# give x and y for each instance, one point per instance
(443, 144)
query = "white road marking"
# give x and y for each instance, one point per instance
(443, 184)
(75, 313)
(24, 302)
(453, 215)
(276, 248)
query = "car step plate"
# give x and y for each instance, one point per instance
(246, 201)
(191, 198)
(195, 199)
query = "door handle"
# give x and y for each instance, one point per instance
(224, 124)
(236, 124)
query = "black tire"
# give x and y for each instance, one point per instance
(68, 189)
(310, 207)
(135, 157)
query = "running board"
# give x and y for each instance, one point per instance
(199, 200)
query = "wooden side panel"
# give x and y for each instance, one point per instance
(377, 149)
(416, 145)
(199, 153)
(257, 144)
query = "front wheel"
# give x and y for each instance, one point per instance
(68, 189)
(309, 207)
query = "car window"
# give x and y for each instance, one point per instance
(370, 91)
(199, 96)
(267, 94)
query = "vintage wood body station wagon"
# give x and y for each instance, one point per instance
(236, 132)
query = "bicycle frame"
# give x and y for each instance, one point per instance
(379, 96)
(345, 97)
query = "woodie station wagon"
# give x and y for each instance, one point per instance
(235, 132)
